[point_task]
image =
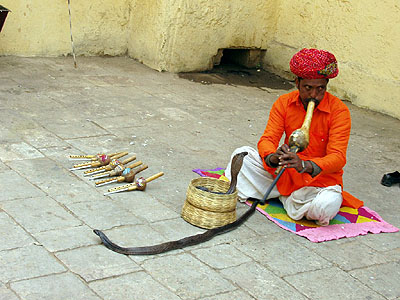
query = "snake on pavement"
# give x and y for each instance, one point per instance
(236, 165)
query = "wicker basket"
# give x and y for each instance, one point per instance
(209, 210)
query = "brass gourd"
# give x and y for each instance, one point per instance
(300, 138)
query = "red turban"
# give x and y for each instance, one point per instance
(314, 64)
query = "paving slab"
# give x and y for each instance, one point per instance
(96, 262)
(135, 286)
(382, 242)
(77, 195)
(27, 262)
(50, 177)
(175, 229)
(145, 205)
(393, 255)
(7, 294)
(105, 143)
(45, 214)
(346, 254)
(237, 294)
(11, 234)
(58, 286)
(192, 282)
(383, 279)
(66, 238)
(281, 256)
(103, 213)
(17, 186)
(260, 282)
(331, 283)
(3, 167)
(18, 151)
(9, 136)
(67, 130)
(42, 138)
(221, 256)
(15, 119)
(59, 154)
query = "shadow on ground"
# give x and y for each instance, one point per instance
(236, 75)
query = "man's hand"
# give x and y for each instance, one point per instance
(284, 157)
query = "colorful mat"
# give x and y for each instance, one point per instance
(349, 222)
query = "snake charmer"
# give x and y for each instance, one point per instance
(312, 185)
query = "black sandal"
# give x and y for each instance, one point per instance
(390, 178)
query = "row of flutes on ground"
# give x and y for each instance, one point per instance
(114, 170)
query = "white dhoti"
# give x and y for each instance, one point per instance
(314, 203)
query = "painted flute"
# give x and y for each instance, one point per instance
(102, 161)
(117, 171)
(128, 175)
(111, 166)
(90, 157)
(140, 185)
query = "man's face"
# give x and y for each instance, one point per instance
(311, 88)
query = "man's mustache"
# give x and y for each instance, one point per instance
(312, 99)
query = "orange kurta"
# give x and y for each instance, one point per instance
(329, 136)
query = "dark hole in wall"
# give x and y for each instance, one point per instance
(239, 67)
(247, 58)
(3, 15)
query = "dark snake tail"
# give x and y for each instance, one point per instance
(178, 244)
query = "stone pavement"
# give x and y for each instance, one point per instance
(49, 110)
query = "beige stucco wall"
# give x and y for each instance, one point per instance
(199, 28)
(41, 28)
(172, 35)
(363, 35)
(146, 34)
(183, 35)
